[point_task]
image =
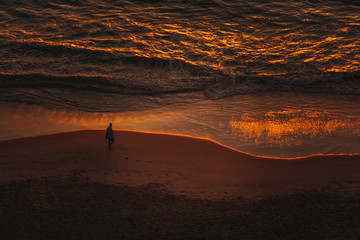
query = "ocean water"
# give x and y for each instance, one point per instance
(275, 78)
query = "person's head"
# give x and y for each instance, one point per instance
(110, 124)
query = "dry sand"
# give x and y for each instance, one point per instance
(191, 166)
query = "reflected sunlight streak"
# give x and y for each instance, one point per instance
(292, 127)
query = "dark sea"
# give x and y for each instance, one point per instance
(272, 78)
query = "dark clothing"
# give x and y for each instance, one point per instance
(110, 136)
(110, 133)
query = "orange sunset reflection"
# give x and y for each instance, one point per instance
(231, 47)
(291, 127)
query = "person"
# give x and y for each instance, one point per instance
(110, 135)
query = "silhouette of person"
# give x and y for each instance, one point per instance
(110, 135)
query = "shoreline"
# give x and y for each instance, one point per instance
(186, 136)
(252, 124)
(196, 167)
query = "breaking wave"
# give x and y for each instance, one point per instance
(214, 87)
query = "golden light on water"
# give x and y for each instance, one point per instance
(231, 47)
(292, 127)
(274, 133)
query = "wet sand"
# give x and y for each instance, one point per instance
(184, 165)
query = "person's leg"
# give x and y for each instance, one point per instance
(110, 142)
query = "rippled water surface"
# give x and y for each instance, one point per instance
(166, 58)
(225, 47)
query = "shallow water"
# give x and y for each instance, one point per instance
(281, 124)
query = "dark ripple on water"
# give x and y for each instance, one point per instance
(219, 47)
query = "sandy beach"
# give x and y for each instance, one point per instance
(157, 186)
(185, 165)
